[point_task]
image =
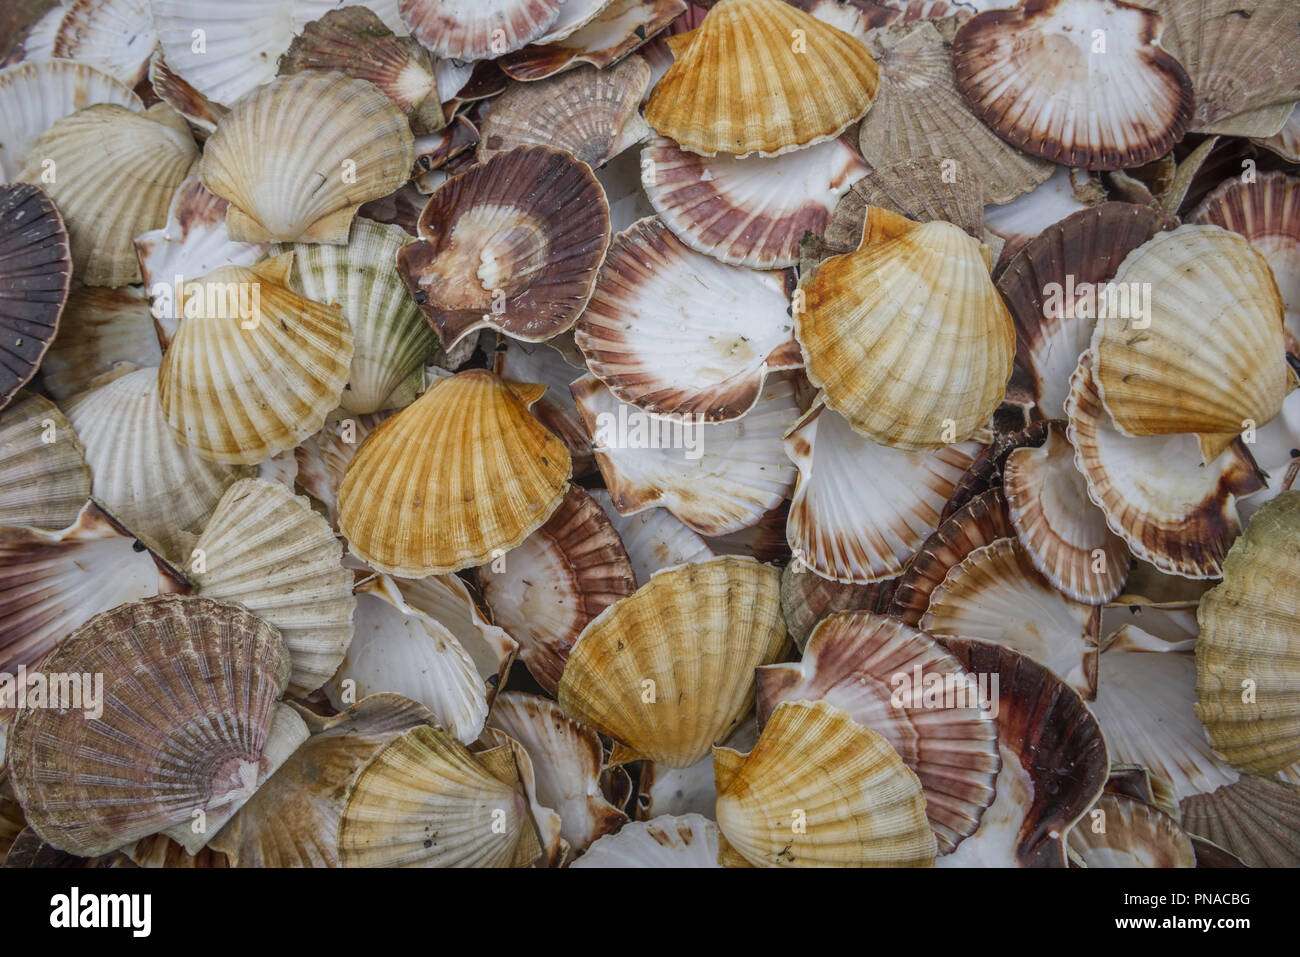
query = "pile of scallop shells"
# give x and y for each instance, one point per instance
(650, 433)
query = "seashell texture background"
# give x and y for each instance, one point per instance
(650, 433)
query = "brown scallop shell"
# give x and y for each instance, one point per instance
(514, 244)
(616, 31)
(1256, 819)
(477, 29)
(807, 598)
(44, 479)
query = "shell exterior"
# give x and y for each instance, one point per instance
(591, 113)
(293, 819)
(690, 840)
(912, 360)
(326, 125)
(1066, 191)
(34, 96)
(478, 29)
(793, 94)
(425, 801)
(1051, 287)
(1156, 495)
(568, 763)
(174, 492)
(669, 671)
(189, 687)
(192, 244)
(1062, 532)
(391, 339)
(853, 661)
(323, 458)
(514, 244)
(1211, 358)
(716, 477)
(1249, 639)
(270, 342)
(654, 539)
(1041, 793)
(202, 113)
(748, 212)
(35, 274)
(116, 36)
(855, 801)
(861, 510)
(995, 594)
(616, 31)
(920, 113)
(677, 333)
(52, 582)
(43, 484)
(1286, 141)
(517, 361)
(1043, 80)
(1255, 819)
(354, 41)
(807, 598)
(487, 444)
(102, 332)
(116, 172)
(546, 591)
(1136, 835)
(267, 550)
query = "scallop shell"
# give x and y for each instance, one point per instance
(116, 36)
(401, 649)
(355, 42)
(568, 762)
(1256, 819)
(669, 671)
(188, 682)
(514, 244)
(37, 43)
(996, 595)
(909, 389)
(1045, 80)
(326, 126)
(654, 539)
(546, 364)
(1239, 56)
(391, 339)
(590, 113)
(484, 436)
(616, 31)
(202, 113)
(1267, 212)
(102, 333)
(44, 479)
(282, 367)
(1051, 287)
(677, 333)
(1286, 141)
(1062, 532)
(545, 591)
(115, 174)
(237, 48)
(52, 582)
(715, 477)
(794, 92)
(35, 273)
(1122, 832)
(861, 510)
(1054, 762)
(924, 190)
(1247, 641)
(1171, 511)
(478, 29)
(807, 598)
(986, 472)
(689, 790)
(323, 458)
(820, 790)
(854, 661)
(156, 488)
(690, 840)
(35, 96)
(425, 801)
(981, 521)
(193, 243)
(748, 212)
(1210, 358)
(267, 550)
(920, 113)
(1066, 191)
(1146, 695)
